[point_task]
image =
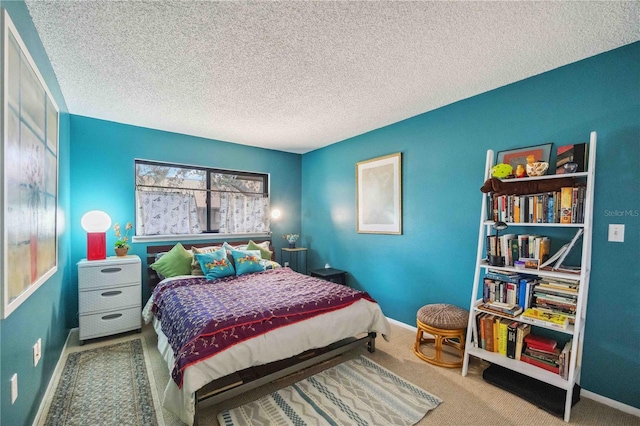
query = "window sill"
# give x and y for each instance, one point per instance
(198, 237)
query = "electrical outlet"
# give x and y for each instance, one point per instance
(37, 352)
(14, 388)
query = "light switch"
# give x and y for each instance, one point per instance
(616, 233)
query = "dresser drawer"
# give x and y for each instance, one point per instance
(108, 275)
(109, 299)
(106, 323)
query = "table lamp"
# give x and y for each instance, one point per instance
(96, 223)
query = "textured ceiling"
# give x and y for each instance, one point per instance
(296, 76)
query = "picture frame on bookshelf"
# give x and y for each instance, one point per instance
(379, 195)
(513, 157)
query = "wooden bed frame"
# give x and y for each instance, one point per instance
(250, 378)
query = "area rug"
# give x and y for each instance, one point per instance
(108, 385)
(356, 392)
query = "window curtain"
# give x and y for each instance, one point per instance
(165, 213)
(243, 213)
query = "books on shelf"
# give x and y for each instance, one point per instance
(545, 207)
(546, 318)
(522, 331)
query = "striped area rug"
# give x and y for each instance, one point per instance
(356, 392)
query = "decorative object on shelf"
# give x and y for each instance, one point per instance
(379, 195)
(520, 171)
(96, 223)
(291, 239)
(517, 156)
(537, 168)
(122, 243)
(570, 167)
(497, 260)
(29, 158)
(502, 171)
(577, 154)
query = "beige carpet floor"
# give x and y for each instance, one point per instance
(467, 400)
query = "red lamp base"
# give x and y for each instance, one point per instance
(96, 245)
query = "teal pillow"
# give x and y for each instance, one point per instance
(247, 261)
(215, 264)
(264, 249)
(176, 261)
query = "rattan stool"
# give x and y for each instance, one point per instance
(448, 324)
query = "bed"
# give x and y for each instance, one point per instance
(224, 336)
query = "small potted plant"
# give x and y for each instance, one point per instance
(291, 238)
(121, 245)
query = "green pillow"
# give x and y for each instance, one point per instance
(176, 262)
(265, 253)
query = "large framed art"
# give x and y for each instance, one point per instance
(29, 250)
(379, 195)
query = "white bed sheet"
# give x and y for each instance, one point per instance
(360, 317)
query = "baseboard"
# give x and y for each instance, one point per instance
(611, 403)
(583, 392)
(47, 394)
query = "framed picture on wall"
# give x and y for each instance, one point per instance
(379, 195)
(29, 175)
(517, 156)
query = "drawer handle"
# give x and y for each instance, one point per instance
(111, 293)
(112, 316)
(110, 270)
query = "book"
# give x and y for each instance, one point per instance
(562, 253)
(565, 359)
(512, 329)
(566, 201)
(540, 342)
(503, 335)
(546, 318)
(488, 332)
(480, 330)
(533, 361)
(522, 331)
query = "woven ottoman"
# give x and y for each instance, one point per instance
(447, 324)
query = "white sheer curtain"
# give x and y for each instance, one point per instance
(243, 213)
(165, 213)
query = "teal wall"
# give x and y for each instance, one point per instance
(102, 170)
(44, 314)
(443, 167)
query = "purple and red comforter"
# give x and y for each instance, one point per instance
(202, 318)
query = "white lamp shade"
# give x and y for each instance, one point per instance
(95, 221)
(276, 213)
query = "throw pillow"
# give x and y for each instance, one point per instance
(264, 251)
(215, 264)
(176, 262)
(247, 261)
(195, 265)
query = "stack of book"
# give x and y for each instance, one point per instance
(541, 352)
(546, 318)
(557, 296)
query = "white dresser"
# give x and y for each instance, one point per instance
(109, 296)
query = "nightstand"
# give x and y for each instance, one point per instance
(331, 274)
(109, 296)
(291, 252)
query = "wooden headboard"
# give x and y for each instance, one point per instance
(153, 250)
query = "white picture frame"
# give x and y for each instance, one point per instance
(379, 195)
(29, 179)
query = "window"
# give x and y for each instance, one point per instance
(182, 199)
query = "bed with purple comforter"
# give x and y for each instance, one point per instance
(220, 326)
